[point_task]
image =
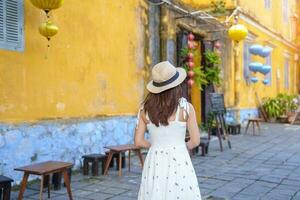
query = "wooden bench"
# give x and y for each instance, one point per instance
(5, 187)
(253, 121)
(43, 169)
(119, 150)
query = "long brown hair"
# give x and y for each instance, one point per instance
(161, 106)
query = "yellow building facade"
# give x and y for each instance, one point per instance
(272, 24)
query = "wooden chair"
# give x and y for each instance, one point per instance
(5, 187)
(120, 149)
(254, 122)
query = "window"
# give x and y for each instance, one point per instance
(267, 4)
(246, 61)
(12, 25)
(286, 72)
(269, 75)
(285, 10)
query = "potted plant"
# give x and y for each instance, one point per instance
(272, 108)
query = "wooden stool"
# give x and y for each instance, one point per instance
(44, 169)
(119, 150)
(94, 159)
(5, 187)
(234, 129)
(204, 144)
(253, 121)
(56, 180)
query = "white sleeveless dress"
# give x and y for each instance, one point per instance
(168, 173)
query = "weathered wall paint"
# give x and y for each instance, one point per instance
(64, 140)
(94, 66)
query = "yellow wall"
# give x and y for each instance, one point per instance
(280, 50)
(94, 64)
(273, 17)
(203, 4)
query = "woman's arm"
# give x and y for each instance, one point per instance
(139, 136)
(193, 129)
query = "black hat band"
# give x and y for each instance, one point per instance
(164, 83)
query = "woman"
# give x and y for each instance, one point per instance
(168, 172)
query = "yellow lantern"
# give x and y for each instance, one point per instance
(238, 32)
(48, 29)
(47, 5)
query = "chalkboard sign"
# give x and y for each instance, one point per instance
(217, 102)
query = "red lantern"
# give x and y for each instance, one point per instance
(190, 56)
(191, 73)
(191, 37)
(191, 64)
(190, 82)
(191, 45)
(218, 44)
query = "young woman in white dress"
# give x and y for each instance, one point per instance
(168, 173)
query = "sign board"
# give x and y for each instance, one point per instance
(217, 102)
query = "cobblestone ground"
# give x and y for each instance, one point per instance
(264, 167)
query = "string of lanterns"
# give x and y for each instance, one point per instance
(264, 69)
(47, 29)
(190, 58)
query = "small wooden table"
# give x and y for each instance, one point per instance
(119, 149)
(43, 169)
(253, 121)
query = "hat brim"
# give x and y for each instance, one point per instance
(153, 89)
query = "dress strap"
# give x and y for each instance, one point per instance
(183, 103)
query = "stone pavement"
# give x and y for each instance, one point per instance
(263, 167)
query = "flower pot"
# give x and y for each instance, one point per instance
(272, 119)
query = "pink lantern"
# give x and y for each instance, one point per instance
(190, 82)
(191, 64)
(190, 56)
(218, 44)
(191, 45)
(191, 73)
(191, 37)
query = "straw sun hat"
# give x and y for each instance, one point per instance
(165, 76)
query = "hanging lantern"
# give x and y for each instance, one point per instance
(265, 69)
(48, 29)
(255, 66)
(265, 52)
(266, 81)
(190, 82)
(254, 79)
(47, 5)
(190, 56)
(218, 44)
(256, 49)
(191, 37)
(191, 64)
(237, 32)
(191, 73)
(191, 45)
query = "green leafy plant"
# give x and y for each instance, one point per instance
(287, 103)
(200, 77)
(272, 107)
(219, 6)
(212, 67)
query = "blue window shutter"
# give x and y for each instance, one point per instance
(246, 61)
(12, 25)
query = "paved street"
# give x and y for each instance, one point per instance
(257, 167)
